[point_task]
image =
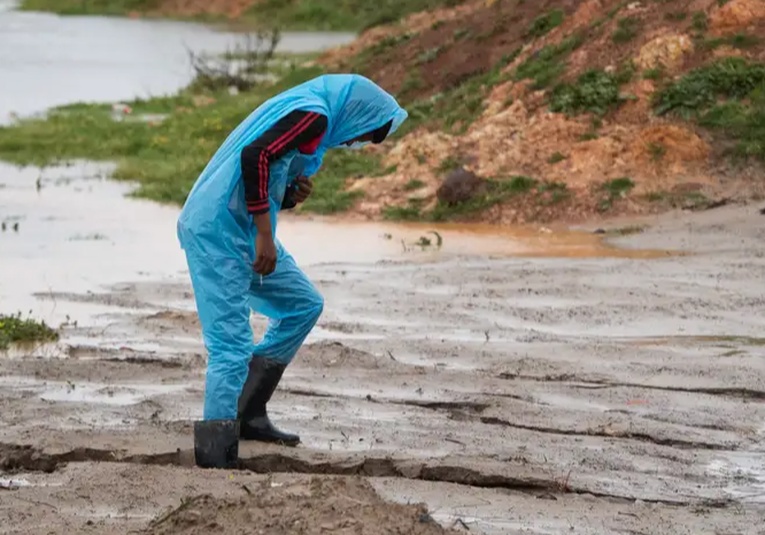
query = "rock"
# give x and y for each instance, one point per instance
(667, 51)
(460, 186)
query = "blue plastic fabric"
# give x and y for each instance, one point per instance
(218, 235)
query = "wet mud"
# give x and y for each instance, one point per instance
(505, 391)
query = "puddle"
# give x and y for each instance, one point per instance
(13, 484)
(107, 59)
(139, 240)
(78, 232)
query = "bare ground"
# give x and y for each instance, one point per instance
(508, 395)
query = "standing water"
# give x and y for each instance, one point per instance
(47, 60)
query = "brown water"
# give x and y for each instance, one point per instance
(71, 230)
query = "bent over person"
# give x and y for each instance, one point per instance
(227, 229)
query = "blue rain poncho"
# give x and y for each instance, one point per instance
(218, 235)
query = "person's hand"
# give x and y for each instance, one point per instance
(265, 248)
(304, 187)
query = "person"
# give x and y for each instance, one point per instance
(227, 230)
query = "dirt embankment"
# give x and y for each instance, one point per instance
(563, 92)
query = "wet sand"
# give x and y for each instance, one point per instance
(512, 385)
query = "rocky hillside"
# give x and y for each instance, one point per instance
(540, 110)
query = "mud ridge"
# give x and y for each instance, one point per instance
(18, 458)
(642, 437)
(476, 407)
(745, 393)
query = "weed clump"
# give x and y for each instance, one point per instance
(727, 96)
(595, 91)
(545, 23)
(545, 65)
(17, 330)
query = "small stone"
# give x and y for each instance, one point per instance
(459, 186)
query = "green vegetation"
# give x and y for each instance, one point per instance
(545, 23)
(627, 29)
(547, 64)
(338, 15)
(687, 200)
(676, 16)
(699, 22)
(495, 192)
(595, 91)
(738, 40)
(555, 158)
(166, 157)
(341, 14)
(656, 73)
(613, 190)
(90, 7)
(18, 330)
(413, 184)
(727, 96)
(456, 109)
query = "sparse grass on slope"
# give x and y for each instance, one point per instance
(727, 96)
(335, 15)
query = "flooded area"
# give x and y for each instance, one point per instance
(523, 380)
(107, 59)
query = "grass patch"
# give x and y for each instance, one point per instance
(497, 191)
(456, 109)
(595, 91)
(727, 96)
(411, 212)
(739, 40)
(545, 65)
(338, 15)
(676, 16)
(354, 15)
(413, 184)
(542, 193)
(688, 200)
(89, 7)
(166, 158)
(627, 29)
(555, 158)
(329, 195)
(613, 190)
(18, 330)
(656, 73)
(543, 24)
(699, 22)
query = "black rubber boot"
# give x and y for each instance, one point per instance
(261, 382)
(216, 443)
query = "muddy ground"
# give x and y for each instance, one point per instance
(511, 394)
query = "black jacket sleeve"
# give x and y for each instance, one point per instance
(298, 130)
